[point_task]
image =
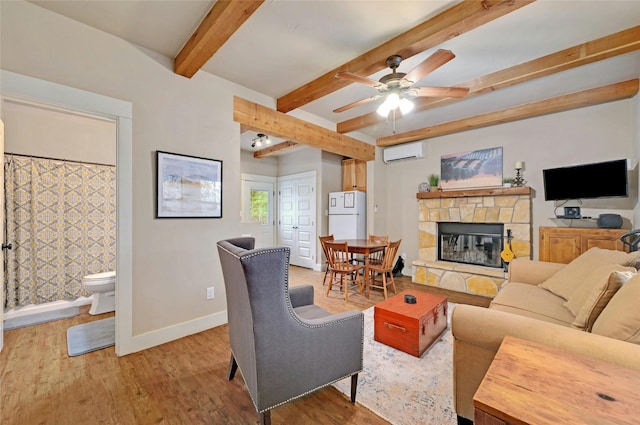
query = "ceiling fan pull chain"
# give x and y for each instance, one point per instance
(393, 118)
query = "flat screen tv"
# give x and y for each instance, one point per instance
(587, 181)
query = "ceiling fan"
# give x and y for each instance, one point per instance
(398, 86)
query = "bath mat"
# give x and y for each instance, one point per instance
(91, 336)
(37, 318)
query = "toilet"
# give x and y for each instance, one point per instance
(103, 288)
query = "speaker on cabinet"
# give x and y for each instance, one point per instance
(610, 221)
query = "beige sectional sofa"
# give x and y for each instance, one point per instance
(589, 307)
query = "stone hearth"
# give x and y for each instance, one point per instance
(510, 206)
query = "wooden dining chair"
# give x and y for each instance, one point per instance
(323, 239)
(377, 257)
(341, 267)
(385, 269)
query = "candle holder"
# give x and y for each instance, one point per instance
(519, 181)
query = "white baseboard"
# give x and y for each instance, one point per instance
(171, 333)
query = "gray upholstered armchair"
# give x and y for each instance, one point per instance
(284, 345)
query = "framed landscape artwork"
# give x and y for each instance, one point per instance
(188, 186)
(482, 168)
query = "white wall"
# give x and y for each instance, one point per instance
(378, 185)
(331, 181)
(263, 166)
(173, 260)
(39, 131)
(591, 134)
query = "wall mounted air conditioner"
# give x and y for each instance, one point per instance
(402, 152)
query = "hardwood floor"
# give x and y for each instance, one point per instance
(181, 382)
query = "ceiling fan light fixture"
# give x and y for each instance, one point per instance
(383, 110)
(392, 101)
(406, 106)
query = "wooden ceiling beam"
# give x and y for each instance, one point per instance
(264, 120)
(276, 149)
(582, 54)
(452, 22)
(224, 19)
(580, 99)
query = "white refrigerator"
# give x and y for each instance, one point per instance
(348, 215)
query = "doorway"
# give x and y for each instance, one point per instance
(258, 200)
(20, 87)
(297, 217)
(60, 204)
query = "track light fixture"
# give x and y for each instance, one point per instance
(260, 140)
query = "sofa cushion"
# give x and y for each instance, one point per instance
(588, 301)
(620, 319)
(532, 301)
(570, 277)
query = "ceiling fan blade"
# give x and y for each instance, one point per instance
(354, 78)
(457, 92)
(358, 103)
(430, 64)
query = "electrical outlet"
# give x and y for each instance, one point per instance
(210, 293)
(404, 255)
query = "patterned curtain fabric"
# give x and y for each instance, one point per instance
(61, 221)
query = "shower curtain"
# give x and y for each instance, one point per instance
(61, 222)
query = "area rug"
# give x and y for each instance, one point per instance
(403, 389)
(91, 336)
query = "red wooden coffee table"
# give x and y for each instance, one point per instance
(412, 328)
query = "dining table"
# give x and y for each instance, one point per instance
(365, 247)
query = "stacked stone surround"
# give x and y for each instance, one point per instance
(510, 206)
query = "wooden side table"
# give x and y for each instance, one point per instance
(529, 383)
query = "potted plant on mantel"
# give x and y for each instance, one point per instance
(507, 181)
(434, 181)
(431, 185)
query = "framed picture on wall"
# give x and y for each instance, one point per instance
(481, 168)
(188, 186)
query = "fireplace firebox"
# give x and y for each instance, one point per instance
(471, 243)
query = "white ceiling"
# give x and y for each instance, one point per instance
(286, 44)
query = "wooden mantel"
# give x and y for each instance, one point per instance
(490, 191)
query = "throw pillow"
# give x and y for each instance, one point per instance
(588, 301)
(570, 278)
(620, 319)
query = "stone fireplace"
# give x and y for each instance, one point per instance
(461, 235)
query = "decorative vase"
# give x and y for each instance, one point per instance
(424, 187)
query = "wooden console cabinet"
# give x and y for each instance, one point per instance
(354, 175)
(563, 244)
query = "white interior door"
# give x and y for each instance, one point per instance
(287, 214)
(297, 218)
(2, 221)
(258, 205)
(305, 221)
